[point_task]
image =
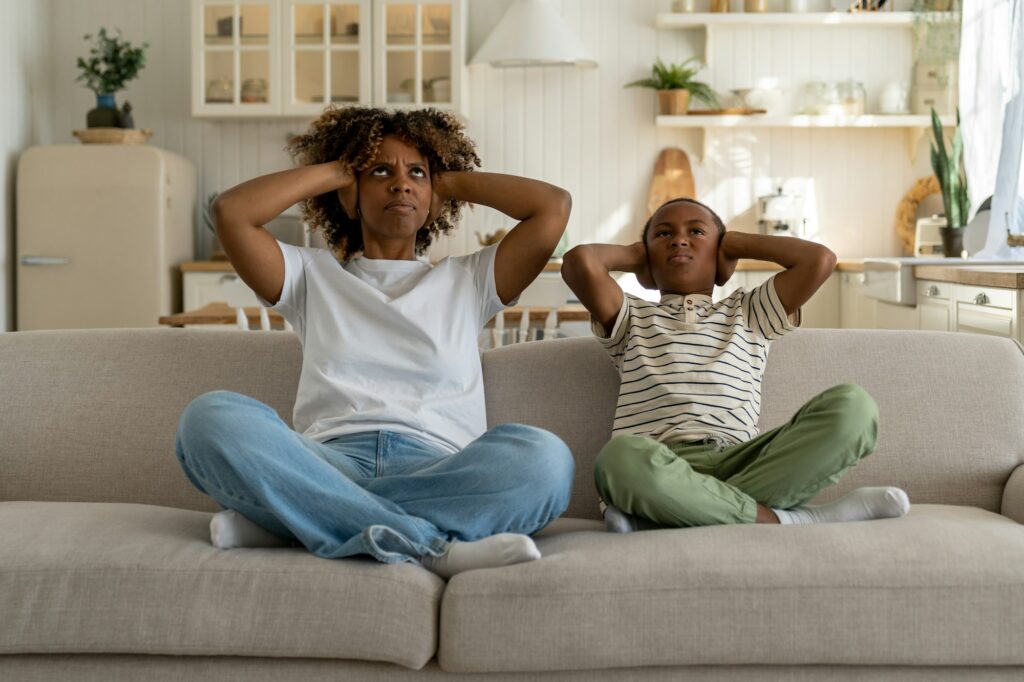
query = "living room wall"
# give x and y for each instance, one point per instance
(24, 119)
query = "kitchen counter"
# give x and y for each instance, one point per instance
(843, 265)
(554, 265)
(1001, 276)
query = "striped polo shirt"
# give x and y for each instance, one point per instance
(691, 369)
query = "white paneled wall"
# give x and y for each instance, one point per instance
(24, 55)
(576, 128)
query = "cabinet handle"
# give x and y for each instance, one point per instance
(980, 299)
(932, 290)
(44, 260)
(227, 278)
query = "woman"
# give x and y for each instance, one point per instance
(391, 455)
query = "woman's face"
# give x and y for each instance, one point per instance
(395, 192)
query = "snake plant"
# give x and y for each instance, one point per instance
(949, 169)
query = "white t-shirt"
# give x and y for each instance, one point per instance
(389, 345)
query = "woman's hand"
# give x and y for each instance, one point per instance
(440, 193)
(642, 270)
(726, 262)
(348, 190)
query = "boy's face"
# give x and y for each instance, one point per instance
(682, 249)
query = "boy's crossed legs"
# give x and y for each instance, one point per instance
(652, 485)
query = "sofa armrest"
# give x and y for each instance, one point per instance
(1013, 495)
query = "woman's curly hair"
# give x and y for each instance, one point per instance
(353, 135)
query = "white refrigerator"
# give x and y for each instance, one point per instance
(100, 233)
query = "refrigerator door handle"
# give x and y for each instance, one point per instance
(44, 260)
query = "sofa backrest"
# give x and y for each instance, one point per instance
(950, 429)
(91, 415)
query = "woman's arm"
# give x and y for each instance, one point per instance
(541, 209)
(586, 270)
(240, 212)
(807, 264)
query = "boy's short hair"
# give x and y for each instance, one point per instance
(718, 221)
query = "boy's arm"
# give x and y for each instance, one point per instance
(585, 269)
(807, 264)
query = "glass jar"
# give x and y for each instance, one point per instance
(832, 103)
(852, 96)
(813, 99)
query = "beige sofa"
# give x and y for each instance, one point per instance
(107, 572)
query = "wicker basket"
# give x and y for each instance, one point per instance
(113, 135)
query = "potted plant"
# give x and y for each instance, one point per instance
(675, 84)
(949, 170)
(111, 64)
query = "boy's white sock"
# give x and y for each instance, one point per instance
(862, 504)
(502, 549)
(618, 521)
(230, 529)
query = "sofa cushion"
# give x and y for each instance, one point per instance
(126, 578)
(942, 586)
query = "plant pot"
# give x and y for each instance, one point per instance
(952, 241)
(673, 102)
(105, 115)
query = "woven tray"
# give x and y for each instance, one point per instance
(113, 135)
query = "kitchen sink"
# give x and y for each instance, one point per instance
(892, 279)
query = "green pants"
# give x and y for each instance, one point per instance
(699, 484)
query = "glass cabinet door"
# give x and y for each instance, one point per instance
(417, 52)
(327, 53)
(236, 72)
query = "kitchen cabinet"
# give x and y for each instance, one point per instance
(934, 306)
(293, 57)
(987, 310)
(856, 310)
(821, 311)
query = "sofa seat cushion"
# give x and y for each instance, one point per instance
(127, 578)
(941, 586)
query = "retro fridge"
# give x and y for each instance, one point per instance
(100, 233)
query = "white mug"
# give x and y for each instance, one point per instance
(798, 5)
(893, 99)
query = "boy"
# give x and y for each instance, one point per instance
(685, 449)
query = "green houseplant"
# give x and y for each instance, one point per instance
(111, 64)
(675, 84)
(949, 170)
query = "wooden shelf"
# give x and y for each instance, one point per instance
(873, 19)
(801, 121)
(914, 126)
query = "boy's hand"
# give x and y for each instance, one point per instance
(726, 262)
(642, 271)
(348, 191)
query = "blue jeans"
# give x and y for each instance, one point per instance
(388, 495)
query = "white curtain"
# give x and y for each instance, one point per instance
(992, 115)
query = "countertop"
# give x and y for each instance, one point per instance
(1002, 276)
(554, 265)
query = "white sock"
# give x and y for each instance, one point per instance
(502, 549)
(230, 529)
(618, 521)
(862, 504)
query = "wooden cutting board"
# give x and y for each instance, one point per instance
(672, 179)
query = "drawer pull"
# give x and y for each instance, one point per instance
(981, 299)
(932, 290)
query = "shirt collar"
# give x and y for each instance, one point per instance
(677, 300)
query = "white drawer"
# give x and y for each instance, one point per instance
(981, 320)
(989, 297)
(927, 289)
